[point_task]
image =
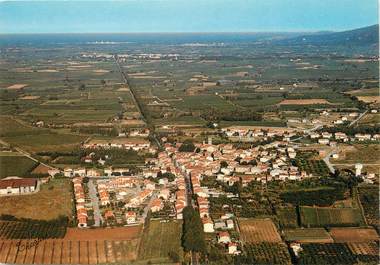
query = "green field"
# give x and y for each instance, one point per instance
(326, 216)
(11, 165)
(287, 217)
(309, 235)
(159, 239)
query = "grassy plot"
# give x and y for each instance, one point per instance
(326, 216)
(46, 142)
(287, 217)
(160, 239)
(15, 165)
(53, 200)
(308, 235)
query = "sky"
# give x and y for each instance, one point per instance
(110, 16)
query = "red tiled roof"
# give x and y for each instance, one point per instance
(17, 183)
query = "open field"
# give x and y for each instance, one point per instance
(68, 252)
(358, 153)
(258, 230)
(304, 101)
(15, 165)
(369, 99)
(159, 239)
(53, 199)
(342, 235)
(325, 216)
(287, 217)
(308, 235)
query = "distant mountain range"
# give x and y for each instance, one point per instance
(362, 36)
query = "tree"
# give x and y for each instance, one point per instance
(193, 234)
(223, 164)
(187, 146)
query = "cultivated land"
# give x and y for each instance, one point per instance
(341, 235)
(258, 230)
(15, 164)
(325, 216)
(159, 239)
(308, 235)
(54, 199)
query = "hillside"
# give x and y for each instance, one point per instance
(362, 37)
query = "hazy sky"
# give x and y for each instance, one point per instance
(185, 15)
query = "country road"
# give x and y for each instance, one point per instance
(358, 118)
(25, 153)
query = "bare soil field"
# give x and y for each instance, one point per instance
(304, 101)
(68, 252)
(369, 99)
(41, 169)
(17, 86)
(116, 233)
(343, 235)
(30, 97)
(364, 248)
(258, 230)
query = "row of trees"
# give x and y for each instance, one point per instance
(193, 235)
(233, 115)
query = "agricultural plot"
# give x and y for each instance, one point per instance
(258, 230)
(335, 253)
(369, 198)
(325, 216)
(68, 252)
(308, 235)
(312, 166)
(265, 253)
(53, 199)
(160, 239)
(29, 230)
(343, 235)
(15, 165)
(287, 217)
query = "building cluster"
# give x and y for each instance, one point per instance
(327, 138)
(137, 144)
(80, 201)
(247, 133)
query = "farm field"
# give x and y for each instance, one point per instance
(369, 198)
(342, 235)
(28, 230)
(287, 217)
(358, 153)
(68, 251)
(308, 235)
(325, 216)
(336, 253)
(265, 253)
(159, 239)
(15, 165)
(53, 199)
(258, 230)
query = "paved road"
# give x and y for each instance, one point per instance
(358, 118)
(306, 132)
(125, 80)
(326, 159)
(95, 202)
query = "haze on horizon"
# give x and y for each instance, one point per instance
(185, 16)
